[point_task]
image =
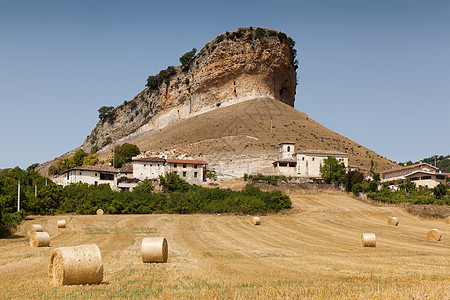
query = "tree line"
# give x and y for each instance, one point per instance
(178, 196)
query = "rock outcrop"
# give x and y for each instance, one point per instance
(246, 64)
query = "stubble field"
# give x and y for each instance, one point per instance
(313, 251)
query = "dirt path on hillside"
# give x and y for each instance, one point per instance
(313, 251)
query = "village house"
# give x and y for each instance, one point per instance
(140, 169)
(89, 174)
(193, 171)
(305, 163)
(422, 174)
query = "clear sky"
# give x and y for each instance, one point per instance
(377, 72)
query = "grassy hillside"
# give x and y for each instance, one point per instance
(244, 129)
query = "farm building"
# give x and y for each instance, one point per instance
(305, 163)
(422, 174)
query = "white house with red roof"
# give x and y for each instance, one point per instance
(305, 163)
(422, 174)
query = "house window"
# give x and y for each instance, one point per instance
(288, 149)
(184, 165)
(303, 158)
(151, 165)
(195, 166)
(145, 165)
(175, 172)
(106, 176)
(313, 158)
(175, 165)
(96, 183)
(195, 174)
(96, 175)
(80, 173)
(426, 177)
(184, 174)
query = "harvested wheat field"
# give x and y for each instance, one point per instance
(312, 251)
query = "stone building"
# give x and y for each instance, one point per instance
(127, 178)
(193, 171)
(305, 163)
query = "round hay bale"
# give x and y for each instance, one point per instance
(447, 220)
(255, 220)
(368, 240)
(61, 223)
(40, 239)
(434, 235)
(99, 212)
(154, 250)
(34, 228)
(393, 221)
(76, 265)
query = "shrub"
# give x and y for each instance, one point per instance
(188, 57)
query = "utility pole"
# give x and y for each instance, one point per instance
(114, 155)
(18, 196)
(248, 166)
(271, 126)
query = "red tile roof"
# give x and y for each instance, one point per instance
(326, 152)
(407, 167)
(127, 168)
(184, 161)
(99, 168)
(150, 159)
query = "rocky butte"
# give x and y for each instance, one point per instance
(231, 104)
(234, 67)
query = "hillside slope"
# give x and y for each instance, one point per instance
(238, 138)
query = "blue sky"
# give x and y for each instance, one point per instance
(377, 72)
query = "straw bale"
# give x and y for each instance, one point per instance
(368, 240)
(434, 235)
(447, 220)
(255, 220)
(76, 265)
(393, 221)
(154, 249)
(99, 211)
(40, 239)
(34, 228)
(61, 223)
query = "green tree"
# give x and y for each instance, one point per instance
(104, 111)
(409, 186)
(352, 178)
(376, 177)
(212, 175)
(124, 153)
(187, 58)
(78, 158)
(171, 182)
(440, 191)
(332, 170)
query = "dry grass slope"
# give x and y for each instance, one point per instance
(244, 129)
(313, 251)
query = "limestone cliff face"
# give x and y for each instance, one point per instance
(234, 67)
